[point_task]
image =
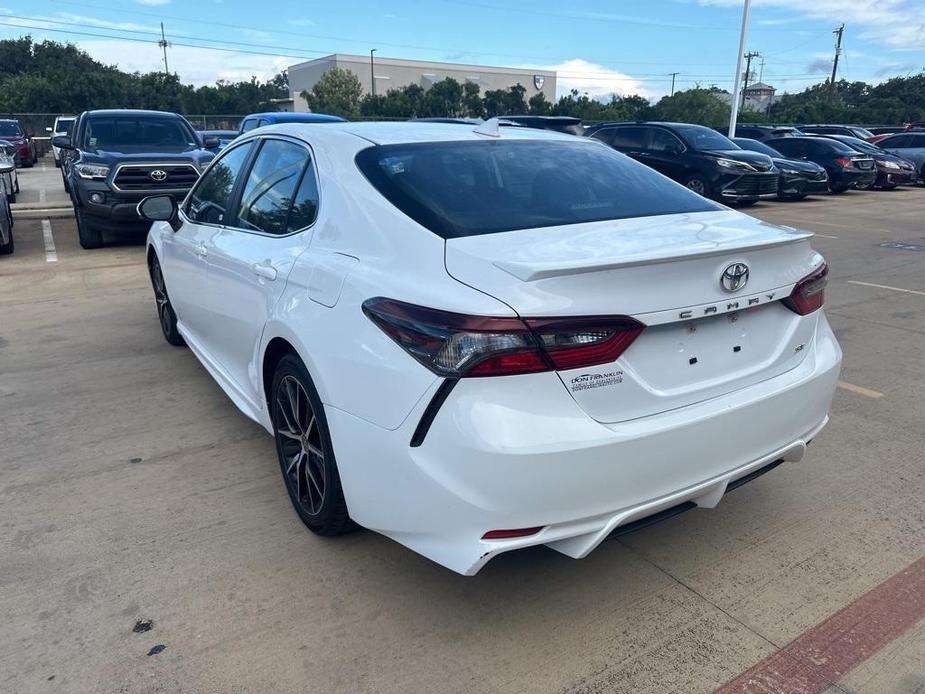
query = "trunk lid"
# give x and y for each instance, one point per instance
(702, 340)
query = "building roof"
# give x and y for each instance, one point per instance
(423, 64)
(760, 86)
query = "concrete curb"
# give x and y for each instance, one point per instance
(46, 213)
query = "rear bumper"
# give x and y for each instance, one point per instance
(518, 452)
(801, 185)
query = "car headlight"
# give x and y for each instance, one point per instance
(91, 170)
(888, 164)
(733, 164)
(789, 172)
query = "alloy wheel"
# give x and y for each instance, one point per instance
(696, 185)
(160, 296)
(300, 442)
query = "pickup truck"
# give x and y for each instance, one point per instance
(119, 157)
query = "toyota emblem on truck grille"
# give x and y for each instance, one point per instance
(158, 175)
(734, 277)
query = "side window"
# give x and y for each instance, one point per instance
(791, 147)
(249, 124)
(271, 186)
(664, 141)
(632, 138)
(305, 206)
(208, 202)
(605, 135)
(917, 141)
(262, 122)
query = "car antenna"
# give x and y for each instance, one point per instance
(491, 127)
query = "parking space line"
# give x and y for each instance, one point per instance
(42, 195)
(818, 658)
(825, 236)
(860, 390)
(51, 255)
(884, 286)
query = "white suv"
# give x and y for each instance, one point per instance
(474, 340)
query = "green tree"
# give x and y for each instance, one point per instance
(539, 105)
(337, 92)
(698, 105)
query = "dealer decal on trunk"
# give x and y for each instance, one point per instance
(588, 381)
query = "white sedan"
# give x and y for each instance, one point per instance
(477, 339)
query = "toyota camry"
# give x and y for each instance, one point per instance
(474, 339)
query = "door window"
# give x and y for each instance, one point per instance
(605, 135)
(664, 141)
(305, 206)
(209, 200)
(249, 124)
(271, 187)
(632, 137)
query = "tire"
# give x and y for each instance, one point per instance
(166, 316)
(7, 249)
(699, 185)
(303, 446)
(89, 236)
(57, 163)
(745, 203)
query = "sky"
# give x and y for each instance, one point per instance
(598, 48)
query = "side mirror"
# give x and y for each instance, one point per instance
(62, 141)
(48, 130)
(160, 208)
(211, 142)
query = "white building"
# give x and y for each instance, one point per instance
(392, 73)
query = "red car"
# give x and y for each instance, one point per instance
(914, 125)
(12, 132)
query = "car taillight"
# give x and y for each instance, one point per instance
(844, 162)
(455, 345)
(809, 293)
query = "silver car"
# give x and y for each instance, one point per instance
(909, 146)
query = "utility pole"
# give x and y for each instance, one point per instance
(372, 74)
(734, 116)
(673, 75)
(163, 44)
(838, 32)
(748, 69)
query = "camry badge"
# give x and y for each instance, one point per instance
(734, 277)
(158, 175)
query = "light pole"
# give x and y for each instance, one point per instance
(372, 73)
(734, 116)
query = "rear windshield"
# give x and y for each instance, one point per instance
(9, 128)
(470, 188)
(137, 134)
(64, 125)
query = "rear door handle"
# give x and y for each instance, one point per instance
(265, 270)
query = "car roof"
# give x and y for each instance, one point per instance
(296, 117)
(388, 133)
(133, 112)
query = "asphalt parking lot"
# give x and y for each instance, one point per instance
(133, 490)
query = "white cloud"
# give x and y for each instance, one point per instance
(897, 23)
(598, 81)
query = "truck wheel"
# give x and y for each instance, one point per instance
(89, 236)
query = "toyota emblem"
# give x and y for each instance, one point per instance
(158, 175)
(734, 277)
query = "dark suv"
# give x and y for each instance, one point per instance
(699, 157)
(118, 158)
